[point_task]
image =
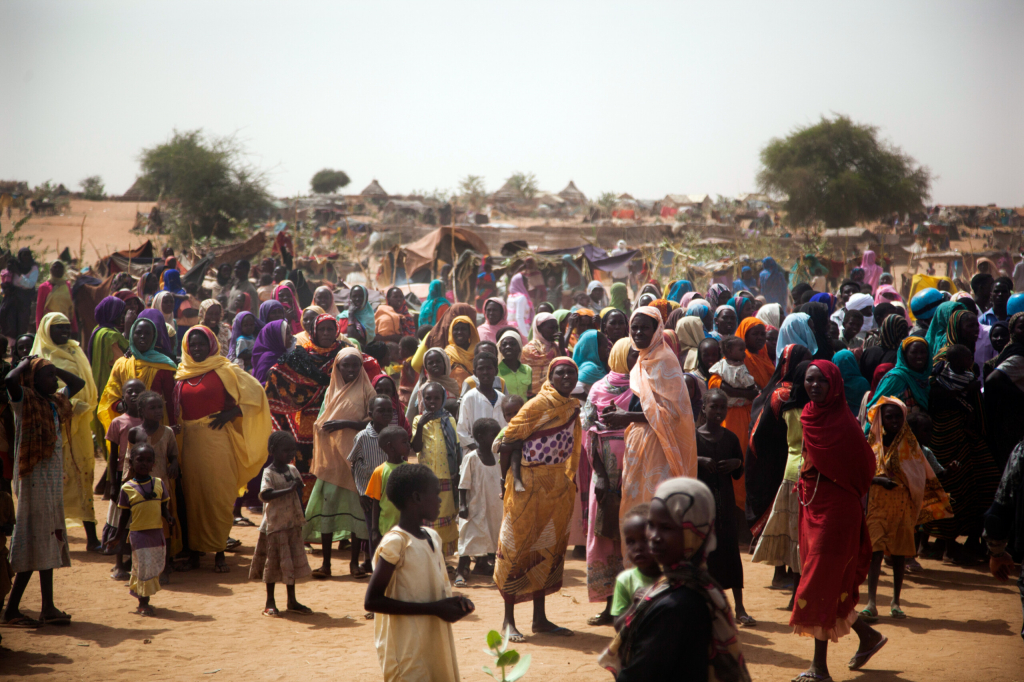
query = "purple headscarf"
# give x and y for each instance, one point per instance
(266, 307)
(163, 339)
(828, 299)
(236, 331)
(268, 349)
(109, 310)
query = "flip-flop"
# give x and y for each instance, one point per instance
(61, 619)
(517, 638)
(321, 574)
(860, 659)
(271, 612)
(746, 621)
(242, 521)
(460, 582)
(304, 611)
(600, 619)
(869, 617)
(21, 623)
(811, 677)
(557, 632)
(357, 572)
(897, 613)
(232, 544)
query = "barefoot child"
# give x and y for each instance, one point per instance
(117, 436)
(165, 466)
(435, 441)
(365, 457)
(280, 556)
(144, 499)
(904, 494)
(394, 443)
(482, 401)
(719, 460)
(645, 569)
(409, 586)
(480, 507)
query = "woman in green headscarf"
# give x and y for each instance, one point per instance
(909, 379)
(619, 297)
(806, 269)
(435, 305)
(936, 336)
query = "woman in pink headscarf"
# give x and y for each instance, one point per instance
(520, 307)
(887, 293)
(872, 272)
(495, 317)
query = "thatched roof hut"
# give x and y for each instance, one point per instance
(572, 194)
(374, 191)
(508, 192)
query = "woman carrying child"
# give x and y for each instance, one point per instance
(605, 447)
(547, 431)
(225, 425)
(682, 627)
(40, 539)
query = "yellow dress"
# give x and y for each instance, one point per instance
(415, 648)
(435, 456)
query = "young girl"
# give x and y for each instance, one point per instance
(243, 334)
(719, 460)
(145, 499)
(280, 556)
(40, 538)
(117, 472)
(165, 467)
(436, 443)
(480, 507)
(904, 494)
(410, 588)
(645, 569)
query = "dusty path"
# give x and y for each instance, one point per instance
(963, 625)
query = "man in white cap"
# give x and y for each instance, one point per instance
(620, 274)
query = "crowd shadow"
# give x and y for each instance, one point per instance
(25, 663)
(581, 641)
(103, 636)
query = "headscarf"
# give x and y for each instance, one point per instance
(855, 385)
(364, 315)
(401, 321)
(819, 325)
(162, 346)
(688, 298)
(1011, 349)
(236, 331)
(613, 389)
(664, 307)
(758, 364)
(691, 505)
(903, 462)
(657, 380)
(601, 302)
(720, 309)
(488, 330)
(828, 299)
(862, 302)
(587, 357)
(38, 432)
(678, 288)
(331, 309)
(901, 378)
(936, 336)
(689, 334)
(69, 357)
(773, 283)
(739, 303)
(881, 297)
(435, 299)
(395, 402)
(158, 305)
(172, 282)
(349, 401)
(879, 374)
(872, 272)
(619, 297)
(746, 279)
(698, 308)
(796, 328)
(266, 307)
(715, 291)
(771, 315)
(833, 441)
(925, 302)
(107, 313)
(952, 333)
(269, 347)
(892, 332)
(457, 354)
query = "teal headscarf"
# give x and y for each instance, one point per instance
(435, 299)
(936, 337)
(151, 355)
(854, 382)
(901, 378)
(588, 358)
(364, 315)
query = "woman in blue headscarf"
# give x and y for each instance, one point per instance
(828, 299)
(699, 308)
(172, 282)
(743, 305)
(435, 305)
(747, 281)
(591, 356)
(677, 289)
(359, 310)
(773, 284)
(796, 328)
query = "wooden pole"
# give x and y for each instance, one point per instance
(81, 242)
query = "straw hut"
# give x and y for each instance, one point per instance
(572, 194)
(374, 191)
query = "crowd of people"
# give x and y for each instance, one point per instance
(652, 432)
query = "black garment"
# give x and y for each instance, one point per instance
(872, 357)
(1004, 405)
(672, 640)
(818, 312)
(724, 563)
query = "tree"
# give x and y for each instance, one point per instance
(473, 191)
(92, 188)
(607, 200)
(839, 171)
(524, 183)
(209, 182)
(328, 181)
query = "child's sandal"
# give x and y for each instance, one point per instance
(272, 612)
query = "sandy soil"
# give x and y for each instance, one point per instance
(108, 227)
(963, 624)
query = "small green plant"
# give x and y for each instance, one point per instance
(505, 657)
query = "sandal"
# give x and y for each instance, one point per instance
(811, 677)
(516, 638)
(146, 611)
(232, 544)
(357, 572)
(242, 521)
(21, 623)
(322, 573)
(897, 613)
(746, 621)
(859, 659)
(600, 619)
(869, 616)
(60, 619)
(271, 612)
(301, 609)
(460, 582)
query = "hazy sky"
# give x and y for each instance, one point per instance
(646, 98)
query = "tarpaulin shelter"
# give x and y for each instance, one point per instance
(417, 261)
(133, 261)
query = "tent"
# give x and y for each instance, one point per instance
(413, 261)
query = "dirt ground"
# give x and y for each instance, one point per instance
(962, 625)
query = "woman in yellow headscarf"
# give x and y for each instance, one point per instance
(462, 340)
(53, 342)
(226, 423)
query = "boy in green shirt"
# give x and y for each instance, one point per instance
(394, 442)
(645, 569)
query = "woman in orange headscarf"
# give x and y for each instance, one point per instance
(754, 334)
